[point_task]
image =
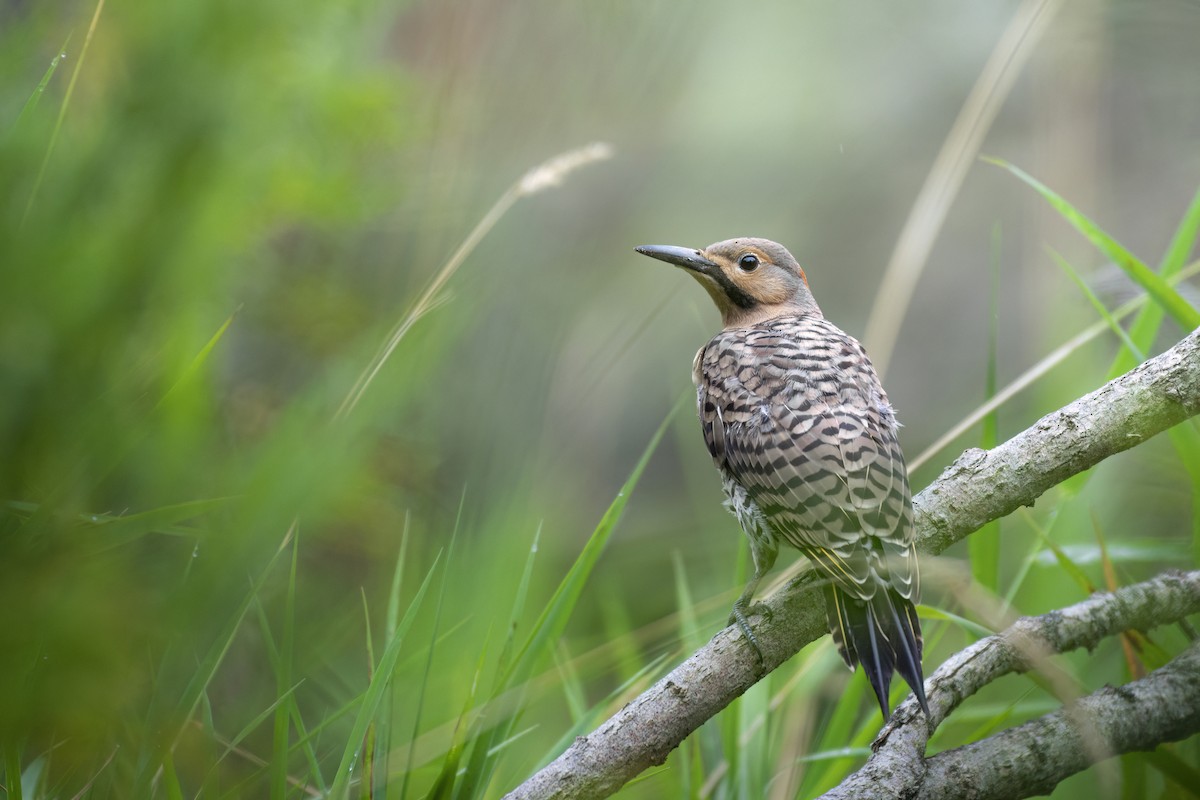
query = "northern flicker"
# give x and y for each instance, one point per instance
(805, 440)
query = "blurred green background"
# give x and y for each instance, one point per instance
(212, 215)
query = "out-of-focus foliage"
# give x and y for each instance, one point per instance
(215, 212)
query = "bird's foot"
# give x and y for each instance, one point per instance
(740, 616)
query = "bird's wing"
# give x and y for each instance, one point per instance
(815, 447)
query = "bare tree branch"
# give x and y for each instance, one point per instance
(1032, 758)
(978, 487)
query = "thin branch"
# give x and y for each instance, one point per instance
(1109, 722)
(1032, 759)
(977, 488)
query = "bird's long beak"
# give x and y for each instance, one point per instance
(686, 257)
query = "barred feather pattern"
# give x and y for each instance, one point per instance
(797, 422)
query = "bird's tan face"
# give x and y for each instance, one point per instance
(750, 280)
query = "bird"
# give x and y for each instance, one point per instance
(805, 439)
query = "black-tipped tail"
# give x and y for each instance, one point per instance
(884, 635)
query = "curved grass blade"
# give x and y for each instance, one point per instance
(1038, 370)
(1172, 302)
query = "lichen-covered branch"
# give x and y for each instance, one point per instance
(1032, 758)
(977, 488)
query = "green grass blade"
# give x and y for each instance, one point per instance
(1145, 326)
(251, 726)
(170, 781)
(423, 689)
(190, 698)
(283, 684)
(62, 110)
(1035, 547)
(550, 625)
(1098, 304)
(835, 754)
(689, 626)
(105, 532)
(1068, 565)
(574, 693)
(1186, 439)
(381, 678)
(367, 782)
(32, 102)
(197, 362)
(1184, 239)
(393, 604)
(1172, 302)
(597, 713)
(984, 547)
(12, 770)
(305, 747)
(1185, 775)
(1036, 372)
(973, 628)
(518, 608)
(837, 732)
(554, 617)
(211, 786)
(443, 786)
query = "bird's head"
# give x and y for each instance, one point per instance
(750, 280)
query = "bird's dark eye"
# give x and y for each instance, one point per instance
(748, 263)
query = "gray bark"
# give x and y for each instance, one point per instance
(1032, 759)
(978, 487)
